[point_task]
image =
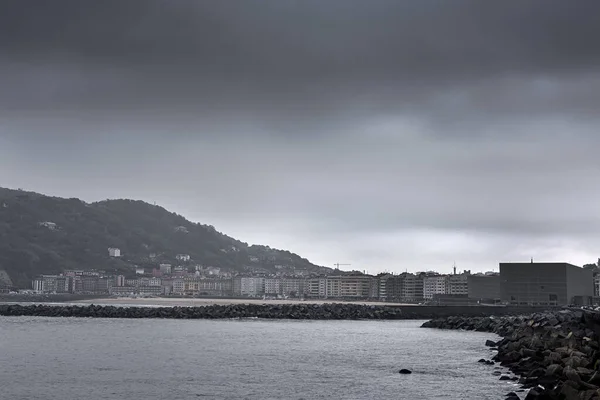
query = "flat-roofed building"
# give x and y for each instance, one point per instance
(557, 283)
(484, 288)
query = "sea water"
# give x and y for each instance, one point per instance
(142, 359)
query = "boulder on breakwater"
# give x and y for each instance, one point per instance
(556, 354)
(333, 311)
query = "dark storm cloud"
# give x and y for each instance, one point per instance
(407, 129)
(303, 59)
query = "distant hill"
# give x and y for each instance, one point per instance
(43, 234)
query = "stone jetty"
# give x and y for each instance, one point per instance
(556, 355)
(333, 311)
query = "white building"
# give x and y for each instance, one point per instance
(316, 287)
(292, 286)
(434, 285)
(140, 271)
(178, 286)
(154, 282)
(252, 286)
(50, 225)
(272, 286)
(114, 252)
(183, 257)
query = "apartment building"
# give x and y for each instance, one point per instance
(432, 285)
(252, 286)
(412, 287)
(272, 286)
(315, 288)
(351, 286)
(458, 284)
(292, 286)
(391, 288)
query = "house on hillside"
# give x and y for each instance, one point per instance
(183, 257)
(114, 252)
(50, 225)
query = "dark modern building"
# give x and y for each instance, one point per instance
(484, 288)
(545, 284)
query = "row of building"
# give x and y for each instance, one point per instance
(516, 283)
(85, 282)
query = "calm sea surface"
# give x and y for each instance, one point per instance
(75, 358)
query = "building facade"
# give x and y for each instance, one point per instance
(484, 288)
(457, 284)
(432, 285)
(545, 284)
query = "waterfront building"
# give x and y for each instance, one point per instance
(104, 284)
(315, 288)
(457, 284)
(252, 286)
(350, 286)
(272, 286)
(120, 280)
(557, 283)
(434, 284)
(412, 287)
(178, 286)
(391, 287)
(154, 281)
(89, 283)
(292, 286)
(484, 288)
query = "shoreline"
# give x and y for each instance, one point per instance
(554, 354)
(202, 302)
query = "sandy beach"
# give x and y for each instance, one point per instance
(180, 302)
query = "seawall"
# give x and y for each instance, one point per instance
(555, 354)
(271, 311)
(430, 312)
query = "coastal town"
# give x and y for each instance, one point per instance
(514, 284)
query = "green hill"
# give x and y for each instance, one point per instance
(43, 234)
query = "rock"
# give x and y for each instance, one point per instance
(571, 374)
(595, 379)
(505, 378)
(569, 393)
(405, 371)
(554, 369)
(490, 343)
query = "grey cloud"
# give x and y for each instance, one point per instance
(319, 126)
(293, 61)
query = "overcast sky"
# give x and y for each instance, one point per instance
(392, 135)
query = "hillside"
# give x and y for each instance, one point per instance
(43, 234)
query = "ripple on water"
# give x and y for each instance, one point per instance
(247, 359)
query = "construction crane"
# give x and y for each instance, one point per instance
(337, 265)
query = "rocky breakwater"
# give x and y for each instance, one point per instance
(555, 354)
(275, 311)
